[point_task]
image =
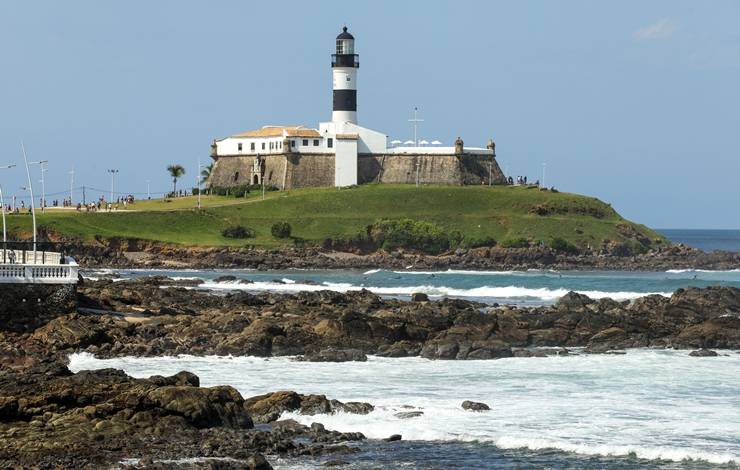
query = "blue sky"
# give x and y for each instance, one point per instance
(633, 102)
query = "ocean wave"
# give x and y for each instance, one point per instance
(461, 272)
(708, 271)
(504, 292)
(382, 421)
(648, 453)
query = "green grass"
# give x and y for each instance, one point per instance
(319, 213)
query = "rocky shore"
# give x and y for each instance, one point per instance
(113, 253)
(51, 418)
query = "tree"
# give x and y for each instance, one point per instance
(176, 171)
(205, 173)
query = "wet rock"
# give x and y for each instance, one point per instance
(227, 278)
(268, 408)
(703, 353)
(474, 406)
(408, 414)
(353, 407)
(399, 349)
(336, 355)
(257, 462)
(335, 463)
(419, 297)
(393, 438)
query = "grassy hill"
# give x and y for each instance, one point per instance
(501, 213)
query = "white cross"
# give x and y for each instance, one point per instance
(416, 121)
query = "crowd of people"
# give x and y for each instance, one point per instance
(100, 206)
(522, 180)
(107, 206)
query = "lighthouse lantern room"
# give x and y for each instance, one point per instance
(344, 73)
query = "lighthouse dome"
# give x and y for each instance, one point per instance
(344, 34)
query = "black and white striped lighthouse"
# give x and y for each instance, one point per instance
(344, 66)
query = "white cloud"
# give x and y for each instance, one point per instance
(663, 28)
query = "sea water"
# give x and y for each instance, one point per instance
(530, 287)
(516, 287)
(707, 240)
(646, 408)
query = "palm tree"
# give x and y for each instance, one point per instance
(176, 171)
(205, 173)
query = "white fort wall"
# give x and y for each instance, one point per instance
(345, 172)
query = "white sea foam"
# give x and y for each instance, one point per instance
(707, 271)
(461, 272)
(653, 404)
(372, 271)
(494, 292)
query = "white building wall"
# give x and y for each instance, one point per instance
(230, 145)
(345, 163)
(369, 141)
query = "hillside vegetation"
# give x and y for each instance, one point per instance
(465, 216)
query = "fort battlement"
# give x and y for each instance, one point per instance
(289, 171)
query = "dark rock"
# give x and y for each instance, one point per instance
(419, 297)
(474, 406)
(409, 414)
(335, 463)
(703, 353)
(227, 278)
(336, 355)
(268, 408)
(393, 438)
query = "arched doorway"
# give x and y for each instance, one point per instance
(256, 179)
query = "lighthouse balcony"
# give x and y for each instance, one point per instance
(345, 60)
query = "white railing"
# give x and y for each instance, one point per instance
(49, 271)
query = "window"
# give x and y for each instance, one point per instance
(270, 145)
(280, 144)
(305, 142)
(252, 146)
(236, 177)
(315, 142)
(263, 145)
(239, 146)
(292, 144)
(330, 142)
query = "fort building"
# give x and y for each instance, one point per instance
(341, 152)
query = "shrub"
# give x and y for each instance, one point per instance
(519, 242)
(237, 231)
(281, 230)
(475, 242)
(241, 190)
(407, 233)
(562, 245)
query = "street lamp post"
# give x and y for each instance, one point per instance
(71, 185)
(42, 164)
(112, 172)
(148, 194)
(543, 175)
(2, 203)
(33, 207)
(197, 179)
